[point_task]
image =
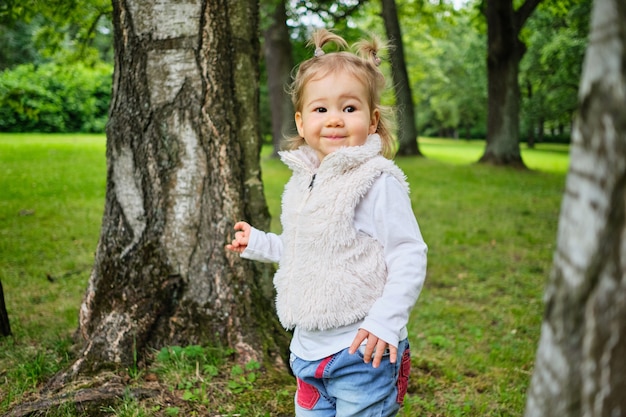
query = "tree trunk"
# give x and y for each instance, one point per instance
(531, 117)
(5, 327)
(407, 131)
(504, 53)
(279, 63)
(580, 368)
(182, 165)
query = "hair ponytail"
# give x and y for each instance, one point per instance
(368, 49)
(321, 37)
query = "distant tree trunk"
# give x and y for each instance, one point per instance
(504, 53)
(279, 63)
(5, 327)
(580, 369)
(531, 117)
(182, 165)
(407, 131)
(541, 127)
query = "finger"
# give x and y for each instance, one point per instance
(361, 335)
(243, 226)
(381, 346)
(369, 348)
(393, 354)
(235, 246)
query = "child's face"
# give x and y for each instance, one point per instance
(335, 113)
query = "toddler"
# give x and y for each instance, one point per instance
(351, 258)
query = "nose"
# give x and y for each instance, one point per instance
(334, 119)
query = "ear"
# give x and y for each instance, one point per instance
(299, 123)
(374, 121)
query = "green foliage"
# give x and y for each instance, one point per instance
(55, 98)
(178, 365)
(445, 60)
(61, 30)
(52, 55)
(551, 68)
(16, 46)
(242, 379)
(445, 51)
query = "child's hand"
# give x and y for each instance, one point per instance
(374, 346)
(240, 242)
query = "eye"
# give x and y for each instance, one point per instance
(320, 110)
(349, 109)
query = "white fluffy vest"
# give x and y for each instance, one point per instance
(329, 275)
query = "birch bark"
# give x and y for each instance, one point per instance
(183, 150)
(580, 368)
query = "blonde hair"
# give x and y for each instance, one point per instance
(363, 65)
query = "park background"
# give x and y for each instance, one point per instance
(491, 230)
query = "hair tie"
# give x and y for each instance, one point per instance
(318, 52)
(376, 59)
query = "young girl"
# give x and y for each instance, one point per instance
(351, 258)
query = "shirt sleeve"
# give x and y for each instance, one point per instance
(386, 214)
(263, 247)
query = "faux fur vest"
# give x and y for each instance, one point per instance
(329, 274)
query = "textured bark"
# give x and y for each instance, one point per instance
(407, 131)
(279, 63)
(580, 369)
(504, 53)
(182, 165)
(88, 401)
(5, 327)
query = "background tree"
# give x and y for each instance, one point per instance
(446, 62)
(504, 53)
(182, 165)
(550, 71)
(66, 30)
(581, 359)
(407, 130)
(16, 46)
(278, 64)
(5, 326)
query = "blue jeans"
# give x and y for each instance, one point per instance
(342, 385)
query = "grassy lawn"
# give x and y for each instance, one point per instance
(491, 234)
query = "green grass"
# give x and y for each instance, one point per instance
(491, 234)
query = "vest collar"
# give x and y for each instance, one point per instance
(305, 159)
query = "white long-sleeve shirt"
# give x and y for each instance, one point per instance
(384, 213)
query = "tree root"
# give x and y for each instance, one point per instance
(91, 401)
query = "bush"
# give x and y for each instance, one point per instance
(55, 97)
